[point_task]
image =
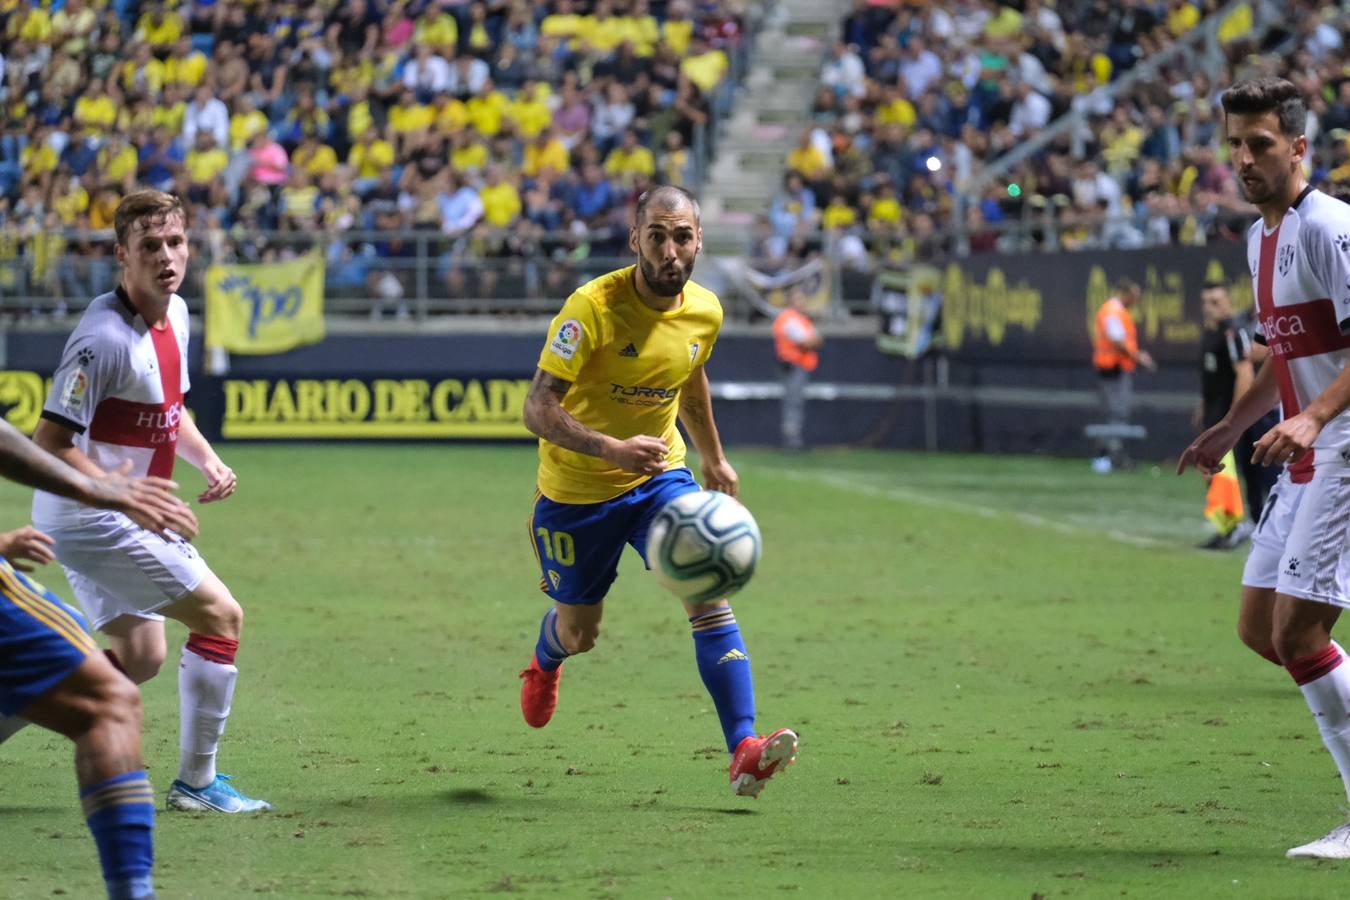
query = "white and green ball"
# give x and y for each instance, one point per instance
(703, 546)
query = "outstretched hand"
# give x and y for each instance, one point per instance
(150, 502)
(1206, 452)
(26, 547)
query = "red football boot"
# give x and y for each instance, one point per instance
(757, 759)
(539, 693)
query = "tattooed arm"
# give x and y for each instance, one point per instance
(696, 414)
(546, 418)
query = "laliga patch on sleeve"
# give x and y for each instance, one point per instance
(72, 393)
(565, 342)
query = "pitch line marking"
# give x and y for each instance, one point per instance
(907, 495)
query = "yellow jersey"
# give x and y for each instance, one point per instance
(627, 363)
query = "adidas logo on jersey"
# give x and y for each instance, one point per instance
(733, 655)
(630, 351)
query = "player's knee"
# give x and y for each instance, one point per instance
(118, 704)
(578, 639)
(143, 664)
(223, 617)
(1258, 639)
(1294, 645)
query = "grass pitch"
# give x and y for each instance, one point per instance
(1012, 678)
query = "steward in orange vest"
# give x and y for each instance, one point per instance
(1115, 342)
(795, 339)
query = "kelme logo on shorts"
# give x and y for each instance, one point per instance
(565, 342)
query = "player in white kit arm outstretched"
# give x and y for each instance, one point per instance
(1297, 577)
(117, 398)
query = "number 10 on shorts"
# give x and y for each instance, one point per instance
(557, 546)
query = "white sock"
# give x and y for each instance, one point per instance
(1329, 699)
(9, 726)
(205, 689)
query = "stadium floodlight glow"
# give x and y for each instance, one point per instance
(933, 163)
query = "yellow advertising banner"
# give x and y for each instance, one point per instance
(21, 397)
(357, 408)
(265, 308)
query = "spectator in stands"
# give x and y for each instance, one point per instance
(81, 152)
(865, 25)
(673, 164)
(520, 30)
(612, 116)
(427, 73)
(305, 117)
(594, 197)
(572, 117)
(298, 205)
(809, 161)
(501, 200)
(159, 27)
(630, 161)
(246, 122)
(368, 157)
(704, 65)
(270, 162)
(1030, 112)
(206, 113)
(1163, 142)
(794, 207)
(205, 165)
(408, 122)
(919, 68)
(843, 71)
(468, 74)
(838, 215)
(461, 208)
(161, 160)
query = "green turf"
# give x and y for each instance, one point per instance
(1012, 678)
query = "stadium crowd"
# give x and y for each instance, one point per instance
(914, 100)
(496, 128)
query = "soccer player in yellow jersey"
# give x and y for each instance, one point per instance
(624, 359)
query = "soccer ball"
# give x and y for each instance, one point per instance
(703, 546)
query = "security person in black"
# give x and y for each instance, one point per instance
(1228, 363)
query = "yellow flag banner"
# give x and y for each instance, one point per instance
(1223, 502)
(265, 308)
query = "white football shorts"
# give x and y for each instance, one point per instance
(117, 568)
(1302, 545)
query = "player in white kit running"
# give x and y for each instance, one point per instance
(118, 396)
(1297, 576)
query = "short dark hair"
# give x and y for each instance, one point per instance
(1213, 285)
(1127, 286)
(154, 206)
(668, 197)
(1268, 94)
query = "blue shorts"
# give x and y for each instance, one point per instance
(41, 640)
(578, 545)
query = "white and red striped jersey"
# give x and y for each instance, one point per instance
(1301, 274)
(120, 388)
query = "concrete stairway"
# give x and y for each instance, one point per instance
(771, 111)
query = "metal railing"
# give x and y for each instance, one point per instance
(423, 275)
